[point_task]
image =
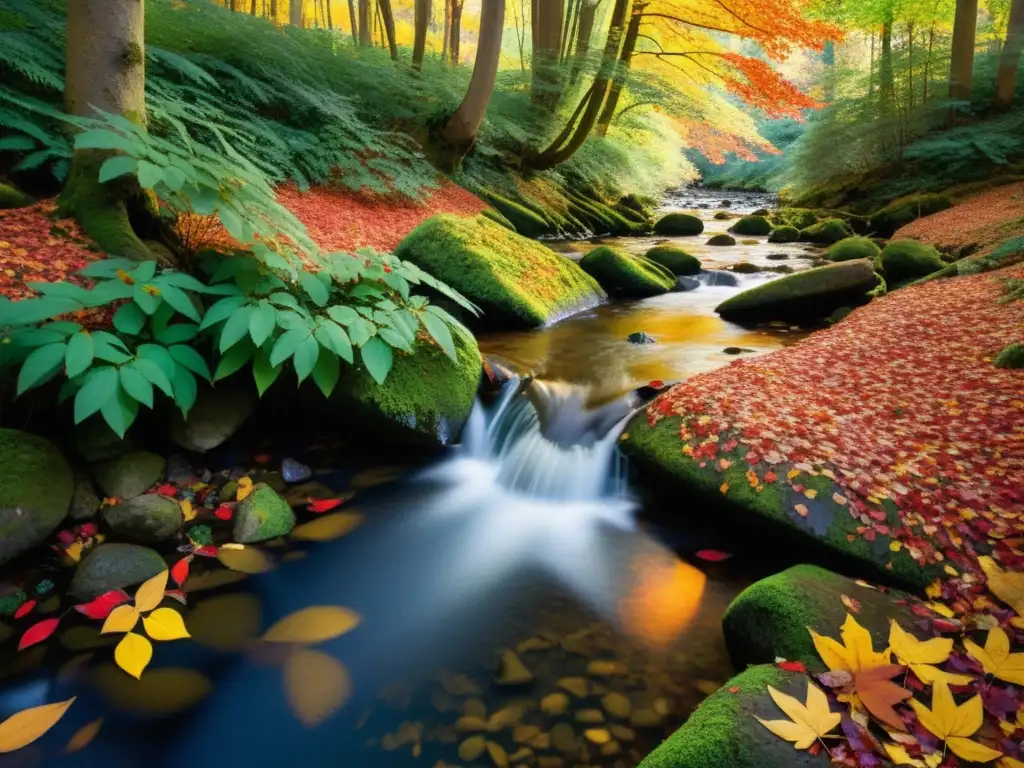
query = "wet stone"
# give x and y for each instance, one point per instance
(607, 668)
(563, 738)
(556, 703)
(295, 471)
(577, 686)
(589, 716)
(736, 350)
(640, 337)
(512, 671)
(616, 705)
(622, 733)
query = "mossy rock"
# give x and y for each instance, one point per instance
(218, 413)
(524, 221)
(641, 204)
(751, 225)
(723, 732)
(678, 225)
(851, 248)
(262, 515)
(114, 566)
(129, 475)
(10, 197)
(84, 501)
(721, 240)
(801, 218)
(725, 216)
(826, 232)
(36, 486)
(1011, 356)
(809, 295)
(147, 519)
(745, 268)
(496, 216)
(675, 259)
(424, 401)
(905, 260)
(770, 618)
(885, 221)
(625, 275)
(96, 441)
(784, 234)
(518, 283)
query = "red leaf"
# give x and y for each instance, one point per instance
(180, 571)
(734, 689)
(177, 594)
(791, 666)
(712, 555)
(656, 384)
(25, 609)
(37, 633)
(223, 512)
(167, 490)
(207, 550)
(101, 607)
(322, 505)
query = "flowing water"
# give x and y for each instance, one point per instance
(509, 599)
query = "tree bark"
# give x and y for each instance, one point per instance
(572, 20)
(252, 8)
(330, 18)
(273, 11)
(584, 30)
(460, 132)
(546, 74)
(295, 13)
(961, 66)
(625, 57)
(352, 20)
(885, 81)
(1009, 57)
(910, 65)
(446, 32)
(365, 27)
(388, 15)
(422, 14)
(928, 63)
(455, 43)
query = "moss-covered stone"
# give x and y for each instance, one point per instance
(218, 413)
(517, 282)
(885, 221)
(725, 216)
(675, 259)
(496, 216)
(813, 294)
(1011, 356)
(10, 197)
(36, 485)
(678, 225)
(850, 248)
(84, 501)
(751, 225)
(784, 234)
(147, 519)
(641, 204)
(605, 219)
(801, 218)
(723, 732)
(524, 221)
(128, 475)
(262, 515)
(826, 232)
(625, 275)
(904, 260)
(114, 566)
(721, 240)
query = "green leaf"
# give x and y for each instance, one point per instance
(314, 287)
(174, 178)
(154, 374)
(377, 357)
(333, 337)
(159, 355)
(262, 322)
(234, 359)
(182, 280)
(177, 333)
(107, 268)
(35, 337)
(64, 327)
(149, 175)
(343, 314)
(440, 332)
(222, 310)
(80, 354)
(263, 372)
(185, 390)
(283, 299)
(107, 347)
(100, 385)
(180, 300)
(136, 385)
(120, 411)
(147, 302)
(361, 331)
(63, 291)
(232, 223)
(40, 364)
(305, 357)
(327, 372)
(286, 345)
(104, 139)
(236, 328)
(129, 319)
(115, 167)
(186, 356)
(394, 338)
(144, 271)
(67, 391)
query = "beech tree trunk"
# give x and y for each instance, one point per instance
(295, 13)
(628, 48)
(885, 81)
(584, 30)
(422, 13)
(330, 18)
(547, 25)
(460, 132)
(352, 20)
(273, 11)
(572, 20)
(1009, 57)
(446, 32)
(961, 66)
(455, 34)
(365, 23)
(105, 68)
(387, 14)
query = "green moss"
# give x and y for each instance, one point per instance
(13, 198)
(517, 282)
(784, 234)
(904, 260)
(725, 216)
(801, 218)
(881, 287)
(678, 225)
(641, 204)
(751, 225)
(721, 240)
(826, 232)
(497, 217)
(132, 55)
(850, 248)
(676, 260)
(1011, 356)
(623, 274)
(606, 219)
(262, 516)
(524, 221)
(899, 213)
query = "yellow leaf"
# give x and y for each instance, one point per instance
(808, 722)
(244, 488)
(920, 655)
(955, 724)
(1006, 585)
(133, 654)
(934, 590)
(165, 624)
(151, 592)
(1009, 762)
(996, 658)
(316, 685)
(942, 610)
(188, 511)
(899, 756)
(74, 551)
(25, 727)
(312, 625)
(122, 619)
(854, 654)
(332, 526)
(245, 559)
(83, 736)
(724, 488)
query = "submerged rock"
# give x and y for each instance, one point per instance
(745, 268)
(147, 519)
(129, 475)
(687, 284)
(640, 337)
(626, 275)
(719, 277)
(736, 350)
(217, 414)
(114, 566)
(262, 515)
(777, 256)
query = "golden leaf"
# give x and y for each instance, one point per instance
(854, 654)
(221, 577)
(1006, 585)
(226, 622)
(244, 488)
(996, 658)
(312, 625)
(83, 736)
(25, 727)
(122, 619)
(245, 559)
(74, 551)
(133, 654)
(808, 722)
(332, 526)
(921, 655)
(899, 756)
(188, 512)
(151, 592)
(955, 724)
(1009, 762)
(165, 624)
(316, 685)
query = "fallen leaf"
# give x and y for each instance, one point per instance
(163, 691)
(223, 512)
(244, 488)
(801, 510)
(245, 559)
(122, 619)
(83, 736)
(854, 654)
(899, 756)
(165, 624)
(133, 654)
(712, 555)
(920, 655)
(179, 572)
(317, 506)
(996, 658)
(151, 592)
(38, 632)
(188, 512)
(1006, 585)
(312, 625)
(878, 694)
(27, 726)
(791, 666)
(25, 609)
(332, 526)
(808, 722)
(955, 724)
(315, 684)
(101, 607)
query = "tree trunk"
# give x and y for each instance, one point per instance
(446, 33)
(871, 66)
(455, 43)
(546, 75)
(330, 18)
(928, 62)
(628, 48)
(961, 64)
(572, 20)
(365, 23)
(105, 68)
(584, 30)
(460, 132)
(273, 10)
(233, 5)
(295, 13)
(1009, 57)
(389, 27)
(910, 65)
(352, 20)
(422, 22)
(885, 82)
(252, 8)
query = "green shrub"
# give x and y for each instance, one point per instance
(751, 225)
(623, 274)
(675, 259)
(784, 234)
(850, 248)
(826, 232)
(678, 225)
(1011, 356)
(904, 260)
(887, 220)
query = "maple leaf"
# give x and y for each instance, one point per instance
(996, 658)
(955, 724)
(1007, 586)
(920, 655)
(878, 694)
(854, 654)
(807, 722)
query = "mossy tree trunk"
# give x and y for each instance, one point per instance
(1009, 57)
(625, 57)
(961, 64)
(422, 22)
(105, 69)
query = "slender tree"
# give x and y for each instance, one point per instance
(388, 17)
(455, 32)
(295, 13)
(885, 76)
(365, 23)
(584, 31)
(353, 23)
(546, 74)
(625, 57)
(273, 10)
(1009, 57)
(961, 65)
(421, 13)
(446, 31)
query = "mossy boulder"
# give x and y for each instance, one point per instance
(784, 234)
(129, 475)
(10, 197)
(84, 501)
(907, 260)
(218, 413)
(851, 248)
(723, 732)
(885, 221)
(815, 293)
(801, 218)
(626, 275)
(641, 204)
(36, 486)
(1011, 356)
(524, 220)
(262, 515)
(725, 216)
(751, 225)
(496, 216)
(675, 259)
(517, 282)
(147, 519)
(96, 441)
(826, 232)
(678, 225)
(114, 566)
(721, 239)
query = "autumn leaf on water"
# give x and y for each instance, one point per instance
(332, 526)
(1006, 585)
(188, 512)
(84, 736)
(101, 607)
(955, 724)
(25, 609)
(807, 722)
(37, 633)
(996, 658)
(244, 559)
(133, 654)
(151, 592)
(165, 624)
(317, 506)
(179, 572)
(315, 684)
(121, 619)
(312, 625)
(921, 656)
(25, 727)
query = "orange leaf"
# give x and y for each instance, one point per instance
(878, 693)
